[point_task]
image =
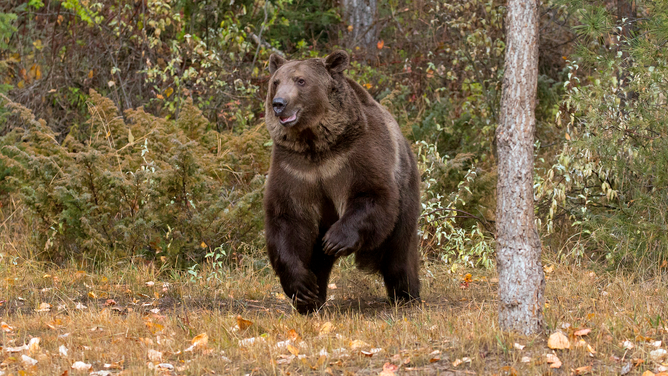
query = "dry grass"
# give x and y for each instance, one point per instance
(451, 324)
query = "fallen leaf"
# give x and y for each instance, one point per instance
(626, 368)
(658, 355)
(356, 344)
(553, 361)
(388, 369)
(33, 345)
(43, 307)
(164, 367)
(28, 360)
(525, 359)
(558, 341)
(250, 341)
(285, 359)
(242, 323)
(582, 332)
(15, 349)
(62, 350)
(326, 328)
(380, 44)
(518, 346)
(371, 352)
(154, 355)
(511, 371)
(457, 362)
(81, 366)
(628, 345)
(332, 286)
(648, 373)
(293, 350)
(199, 342)
(80, 306)
(293, 335)
(582, 370)
(5, 327)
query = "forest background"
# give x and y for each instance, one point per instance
(132, 131)
(152, 141)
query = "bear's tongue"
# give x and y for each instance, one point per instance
(291, 118)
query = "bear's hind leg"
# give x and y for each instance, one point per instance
(401, 263)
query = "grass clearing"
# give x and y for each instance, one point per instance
(134, 317)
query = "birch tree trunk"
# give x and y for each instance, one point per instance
(521, 278)
(360, 16)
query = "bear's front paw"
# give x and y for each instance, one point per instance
(339, 243)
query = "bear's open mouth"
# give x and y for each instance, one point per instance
(288, 120)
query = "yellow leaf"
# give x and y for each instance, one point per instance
(90, 74)
(380, 44)
(558, 341)
(21, 84)
(169, 92)
(203, 245)
(92, 295)
(293, 350)
(293, 335)
(350, 28)
(568, 137)
(200, 340)
(242, 323)
(368, 85)
(131, 138)
(356, 344)
(159, 96)
(326, 328)
(582, 370)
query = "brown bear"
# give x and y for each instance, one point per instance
(342, 180)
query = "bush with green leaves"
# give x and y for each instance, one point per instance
(610, 178)
(145, 185)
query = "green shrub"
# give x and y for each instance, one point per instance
(611, 176)
(150, 186)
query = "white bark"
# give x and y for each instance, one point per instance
(521, 278)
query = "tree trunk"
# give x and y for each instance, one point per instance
(362, 31)
(521, 278)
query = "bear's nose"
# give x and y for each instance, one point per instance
(279, 105)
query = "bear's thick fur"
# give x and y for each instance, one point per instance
(342, 180)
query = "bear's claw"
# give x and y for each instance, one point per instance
(338, 244)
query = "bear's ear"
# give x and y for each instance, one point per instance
(337, 61)
(275, 62)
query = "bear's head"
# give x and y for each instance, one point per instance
(308, 100)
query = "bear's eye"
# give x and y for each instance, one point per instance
(275, 83)
(301, 82)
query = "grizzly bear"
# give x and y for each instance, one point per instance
(342, 180)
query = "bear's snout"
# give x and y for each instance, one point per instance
(279, 105)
